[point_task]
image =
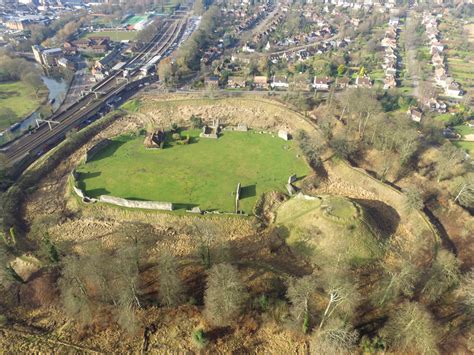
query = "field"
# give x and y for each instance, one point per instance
(204, 173)
(18, 97)
(116, 36)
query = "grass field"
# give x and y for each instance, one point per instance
(116, 36)
(468, 147)
(204, 173)
(18, 97)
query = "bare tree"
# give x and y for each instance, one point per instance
(74, 295)
(411, 329)
(464, 190)
(443, 275)
(336, 337)
(171, 292)
(128, 274)
(341, 295)
(450, 156)
(225, 295)
(211, 247)
(126, 307)
(413, 200)
(399, 278)
(465, 291)
(300, 293)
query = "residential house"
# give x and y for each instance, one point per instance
(279, 82)
(415, 114)
(342, 83)
(260, 82)
(389, 82)
(236, 82)
(321, 83)
(363, 82)
(211, 81)
(453, 90)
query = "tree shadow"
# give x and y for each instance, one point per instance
(217, 333)
(248, 191)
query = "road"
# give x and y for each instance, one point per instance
(30, 146)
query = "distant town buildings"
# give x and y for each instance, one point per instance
(438, 61)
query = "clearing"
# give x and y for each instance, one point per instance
(18, 97)
(204, 173)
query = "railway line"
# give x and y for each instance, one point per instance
(27, 148)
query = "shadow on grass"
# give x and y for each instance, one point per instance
(248, 191)
(110, 149)
(96, 192)
(87, 175)
(183, 206)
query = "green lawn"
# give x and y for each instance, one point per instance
(18, 97)
(464, 130)
(116, 36)
(204, 173)
(466, 146)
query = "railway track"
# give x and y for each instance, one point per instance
(32, 145)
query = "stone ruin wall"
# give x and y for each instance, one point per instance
(148, 205)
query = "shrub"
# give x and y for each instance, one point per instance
(199, 338)
(196, 121)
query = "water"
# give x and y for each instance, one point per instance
(57, 91)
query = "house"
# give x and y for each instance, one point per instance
(389, 82)
(67, 64)
(321, 83)
(279, 82)
(212, 81)
(108, 60)
(363, 82)
(435, 105)
(415, 114)
(453, 90)
(342, 83)
(390, 71)
(260, 82)
(50, 56)
(236, 82)
(247, 49)
(97, 45)
(389, 42)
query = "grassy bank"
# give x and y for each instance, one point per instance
(20, 98)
